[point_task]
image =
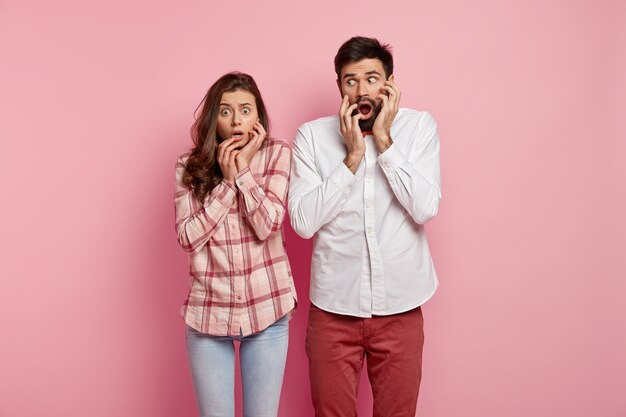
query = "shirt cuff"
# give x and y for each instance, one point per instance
(343, 178)
(224, 192)
(391, 157)
(244, 180)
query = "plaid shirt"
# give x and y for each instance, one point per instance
(240, 278)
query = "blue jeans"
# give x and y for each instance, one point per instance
(262, 357)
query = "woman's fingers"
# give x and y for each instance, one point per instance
(231, 157)
(259, 128)
(222, 148)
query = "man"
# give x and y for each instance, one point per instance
(363, 184)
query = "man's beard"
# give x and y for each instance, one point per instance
(367, 125)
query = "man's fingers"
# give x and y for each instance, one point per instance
(347, 116)
(393, 85)
(345, 112)
(394, 92)
(385, 100)
(391, 91)
(344, 105)
(342, 111)
(355, 124)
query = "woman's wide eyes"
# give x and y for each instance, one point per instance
(227, 112)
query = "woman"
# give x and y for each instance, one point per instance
(231, 191)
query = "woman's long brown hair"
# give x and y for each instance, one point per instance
(202, 172)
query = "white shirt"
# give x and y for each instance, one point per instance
(370, 254)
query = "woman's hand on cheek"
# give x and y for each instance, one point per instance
(226, 158)
(257, 136)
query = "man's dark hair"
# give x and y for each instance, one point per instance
(358, 48)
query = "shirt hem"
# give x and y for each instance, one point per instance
(402, 310)
(289, 314)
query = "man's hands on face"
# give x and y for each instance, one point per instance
(352, 135)
(389, 108)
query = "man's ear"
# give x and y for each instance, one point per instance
(339, 87)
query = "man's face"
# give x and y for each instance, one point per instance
(362, 82)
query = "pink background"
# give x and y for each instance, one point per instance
(96, 100)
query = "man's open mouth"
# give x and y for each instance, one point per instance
(365, 108)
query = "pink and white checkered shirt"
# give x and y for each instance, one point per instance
(240, 278)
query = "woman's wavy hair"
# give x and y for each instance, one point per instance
(202, 172)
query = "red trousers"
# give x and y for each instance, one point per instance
(336, 346)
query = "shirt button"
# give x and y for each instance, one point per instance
(240, 182)
(239, 297)
(238, 273)
(236, 250)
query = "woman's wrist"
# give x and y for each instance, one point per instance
(241, 164)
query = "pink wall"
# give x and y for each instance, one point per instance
(96, 103)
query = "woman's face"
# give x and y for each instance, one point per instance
(237, 115)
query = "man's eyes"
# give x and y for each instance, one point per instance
(371, 80)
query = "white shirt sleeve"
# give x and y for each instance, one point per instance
(416, 179)
(314, 201)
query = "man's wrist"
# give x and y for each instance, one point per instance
(383, 142)
(352, 162)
